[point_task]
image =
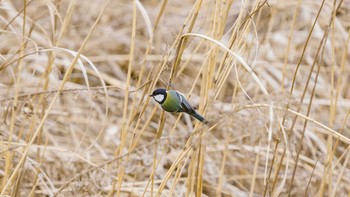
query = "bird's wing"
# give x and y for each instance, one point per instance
(180, 101)
(185, 106)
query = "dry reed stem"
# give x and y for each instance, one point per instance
(76, 118)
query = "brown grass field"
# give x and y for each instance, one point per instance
(272, 77)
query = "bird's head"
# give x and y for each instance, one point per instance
(159, 95)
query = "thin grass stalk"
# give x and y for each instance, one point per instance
(199, 170)
(274, 155)
(300, 145)
(181, 157)
(255, 169)
(17, 80)
(120, 176)
(183, 41)
(222, 170)
(290, 36)
(177, 177)
(341, 174)
(339, 82)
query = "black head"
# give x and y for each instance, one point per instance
(159, 95)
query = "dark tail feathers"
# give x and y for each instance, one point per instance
(200, 118)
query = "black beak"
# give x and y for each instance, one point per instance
(151, 95)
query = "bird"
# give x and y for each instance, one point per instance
(174, 101)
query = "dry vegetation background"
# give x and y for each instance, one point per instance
(271, 76)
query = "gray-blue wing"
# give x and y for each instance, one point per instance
(185, 106)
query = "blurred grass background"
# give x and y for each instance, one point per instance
(271, 76)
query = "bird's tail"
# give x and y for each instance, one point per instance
(200, 118)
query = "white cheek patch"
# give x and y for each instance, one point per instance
(159, 98)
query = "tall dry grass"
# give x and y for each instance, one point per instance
(271, 76)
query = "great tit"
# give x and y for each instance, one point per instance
(174, 101)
